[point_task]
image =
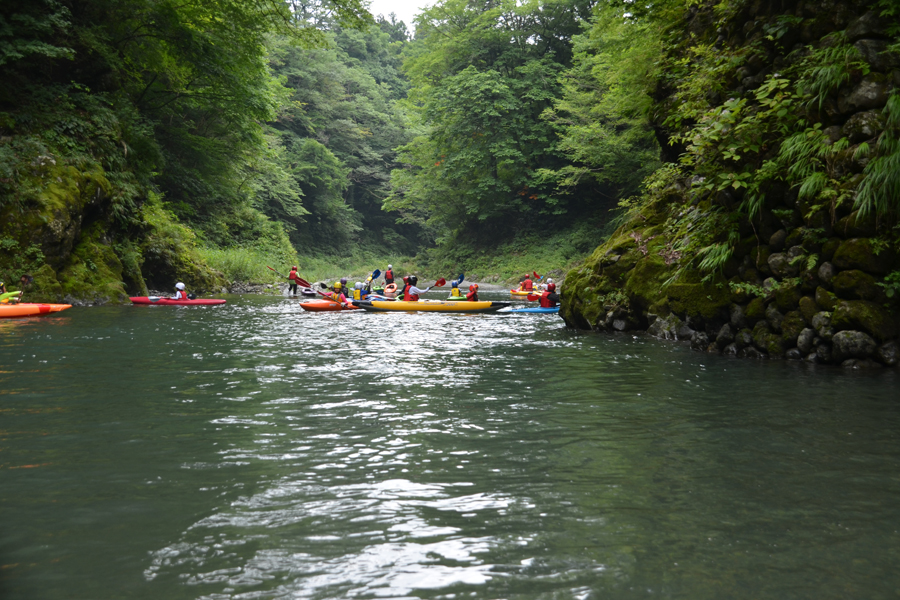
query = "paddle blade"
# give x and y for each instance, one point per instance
(536, 276)
(376, 274)
(303, 282)
(461, 277)
(271, 269)
(533, 297)
(440, 282)
(153, 298)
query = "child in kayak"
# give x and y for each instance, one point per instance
(180, 293)
(472, 296)
(337, 293)
(8, 297)
(454, 290)
(549, 298)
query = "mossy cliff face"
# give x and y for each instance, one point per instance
(66, 238)
(778, 261)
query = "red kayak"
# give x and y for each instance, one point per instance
(170, 302)
(28, 309)
(325, 305)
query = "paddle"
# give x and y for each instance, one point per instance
(375, 274)
(460, 280)
(299, 279)
(533, 297)
(440, 282)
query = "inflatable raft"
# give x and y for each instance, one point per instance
(324, 306)
(523, 293)
(170, 302)
(27, 309)
(430, 306)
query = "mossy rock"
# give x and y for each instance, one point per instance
(791, 326)
(760, 258)
(830, 247)
(866, 316)
(45, 287)
(699, 299)
(825, 299)
(94, 272)
(756, 310)
(860, 253)
(808, 307)
(787, 297)
(855, 285)
(855, 226)
(644, 283)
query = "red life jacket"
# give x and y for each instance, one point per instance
(527, 285)
(293, 276)
(545, 300)
(472, 296)
(388, 277)
(407, 296)
(181, 295)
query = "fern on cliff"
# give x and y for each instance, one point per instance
(880, 190)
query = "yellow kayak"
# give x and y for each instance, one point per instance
(431, 306)
(521, 293)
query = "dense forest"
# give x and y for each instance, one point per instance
(736, 161)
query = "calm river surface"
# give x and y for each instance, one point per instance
(257, 451)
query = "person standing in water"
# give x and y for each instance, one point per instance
(389, 276)
(293, 278)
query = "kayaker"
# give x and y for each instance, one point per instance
(180, 293)
(549, 298)
(410, 291)
(472, 296)
(360, 292)
(8, 297)
(337, 293)
(294, 280)
(454, 290)
(527, 285)
(389, 276)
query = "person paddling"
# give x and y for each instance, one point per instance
(549, 299)
(410, 291)
(294, 279)
(472, 296)
(180, 293)
(337, 293)
(527, 285)
(8, 297)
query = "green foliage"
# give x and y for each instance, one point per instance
(824, 69)
(891, 284)
(16, 261)
(880, 190)
(29, 29)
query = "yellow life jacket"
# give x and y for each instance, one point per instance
(455, 292)
(357, 294)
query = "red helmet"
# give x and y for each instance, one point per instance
(527, 276)
(551, 287)
(473, 287)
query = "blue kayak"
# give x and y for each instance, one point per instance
(555, 309)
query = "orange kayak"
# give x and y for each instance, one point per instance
(26, 309)
(324, 306)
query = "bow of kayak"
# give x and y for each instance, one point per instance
(27, 309)
(554, 309)
(170, 302)
(325, 306)
(431, 306)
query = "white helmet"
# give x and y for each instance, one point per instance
(359, 285)
(390, 266)
(179, 286)
(549, 281)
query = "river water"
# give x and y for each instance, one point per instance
(257, 451)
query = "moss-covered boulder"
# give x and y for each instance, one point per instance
(825, 299)
(791, 326)
(855, 285)
(45, 287)
(94, 273)
(862, 254)
(787, 297)
(865, 316)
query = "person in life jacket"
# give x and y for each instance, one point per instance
(410, 291)
(180, 293)
(454, 290)
(472, 296)
(337, 293)
(549, 298)
(8, 297)
(527, 285)
(389, 275)
(294, 280)
(360, 292)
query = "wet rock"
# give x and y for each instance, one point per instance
(725, 336)
(829, 247)
(787, 297)
(793, 354)
(730, 350)
(855, 285)
(699, 341)
(866, 316)
(833, 133)
(791, 326)
(855, 226)
(776, 242)
(805, 340)
(826, 272)
(821, 322)
(666, 327)
(743, 338)
(871, 93)
(781, 265)
(750, 352)
(859, 253)
(823, 353)
(621, 325)
(852, 344)
(812, 357)
(774, 317)
(888, 353)
(769, 284)
(755, 311)
(825, 299)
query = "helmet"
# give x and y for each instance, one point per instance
(359, 285)
(413, 280)
(294, 268)
(454, 284)
(337, 285)
(179, 286)
(527, 276)
(390, 266)
(551, 287)
(406, 279)
(343, 281)
(549, 281)
(473, 287)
